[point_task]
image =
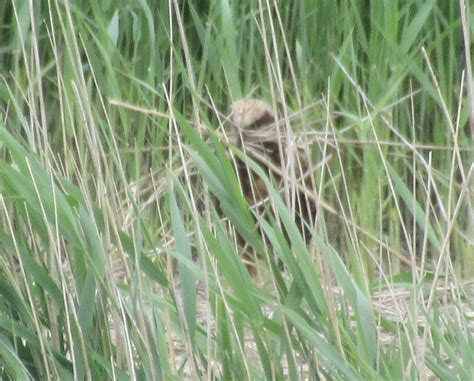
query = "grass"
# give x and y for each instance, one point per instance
(122, 211)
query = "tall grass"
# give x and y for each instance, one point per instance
(122, 215)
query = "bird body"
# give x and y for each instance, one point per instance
(257, 135)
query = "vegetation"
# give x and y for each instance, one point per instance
(122, 217)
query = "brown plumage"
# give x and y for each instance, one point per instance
(249, 117)
(257, 135)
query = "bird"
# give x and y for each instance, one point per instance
(255, 130)
(251, 117)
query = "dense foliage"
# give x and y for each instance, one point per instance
(122, 217)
